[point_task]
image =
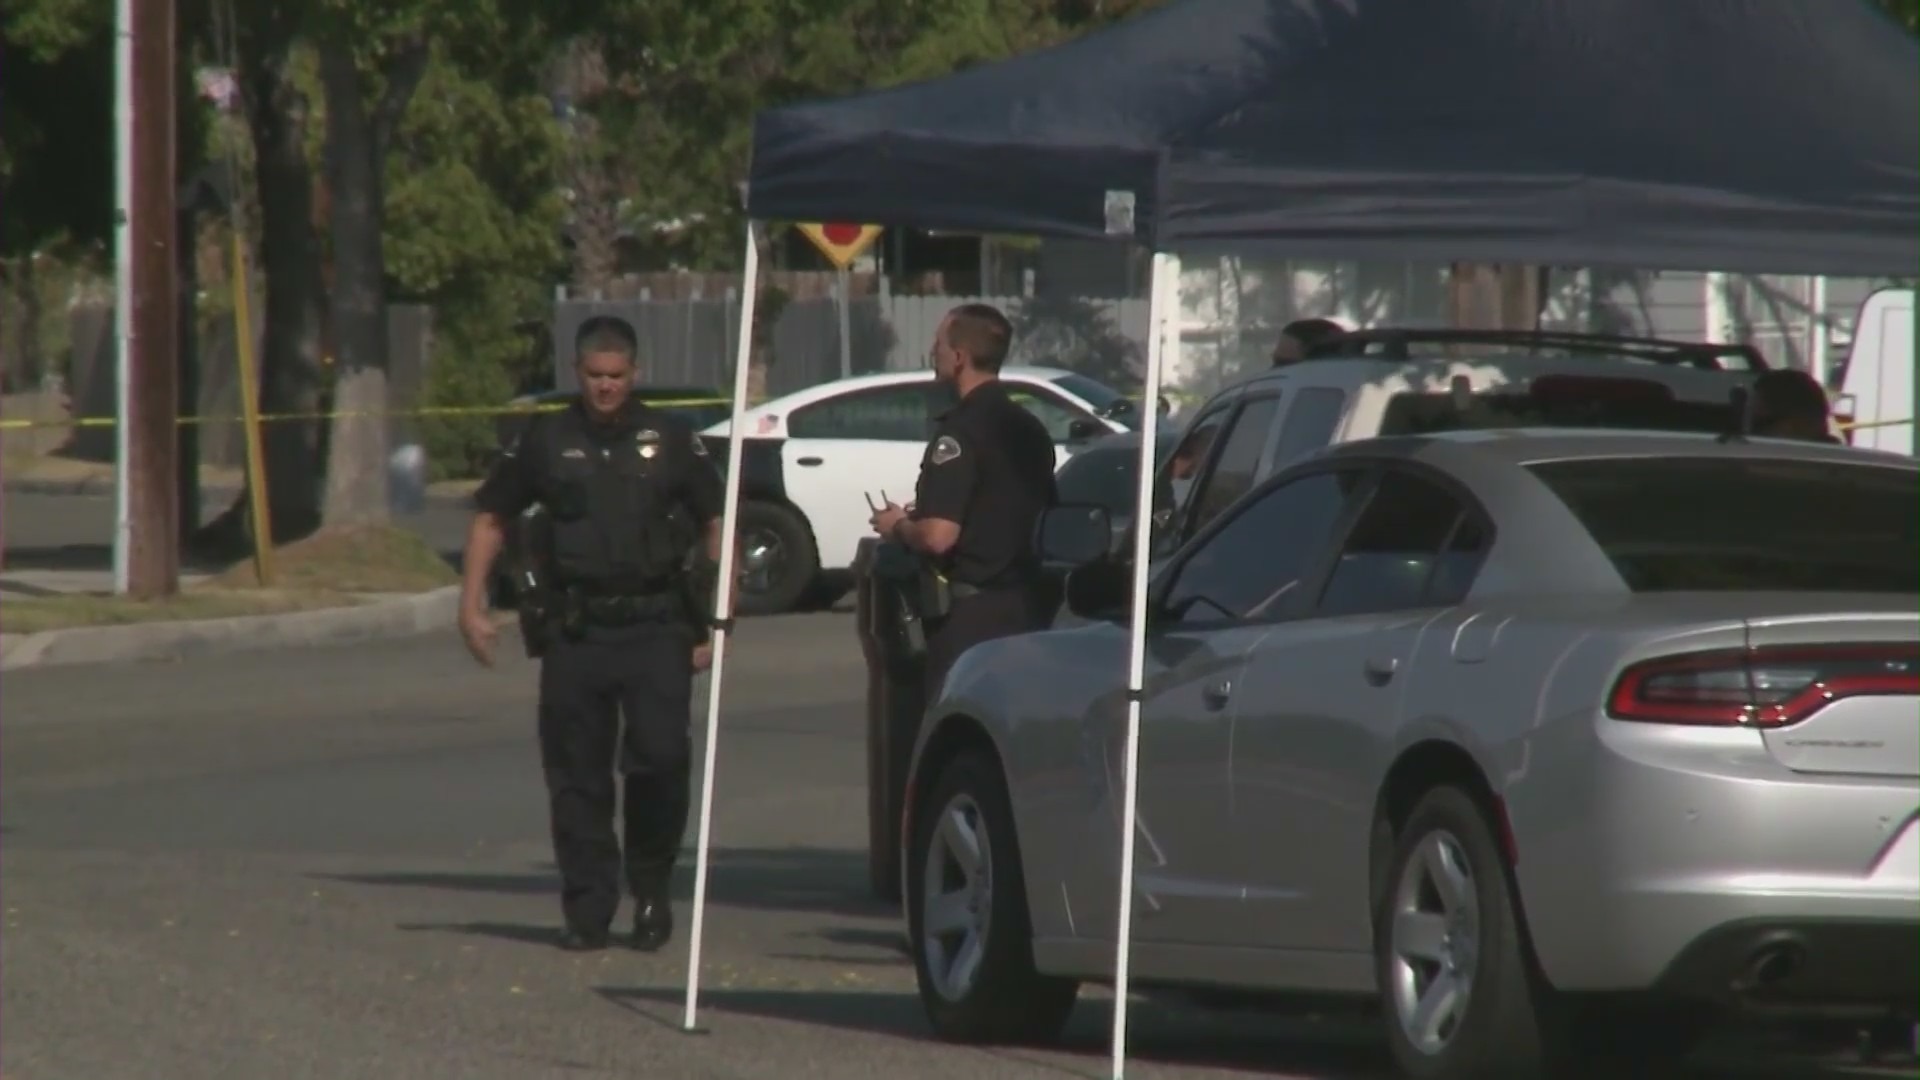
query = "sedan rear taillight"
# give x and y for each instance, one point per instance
(1768, 687)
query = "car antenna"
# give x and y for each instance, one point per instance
(1742, 400)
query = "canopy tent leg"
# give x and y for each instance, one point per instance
(723, 626)
(1161, 296)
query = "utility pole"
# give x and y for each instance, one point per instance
(147, 533)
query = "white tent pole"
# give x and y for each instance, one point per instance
(1159, 295)
(723, 601)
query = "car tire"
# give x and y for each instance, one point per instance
(998, 997)
(798, 564)
(1446, 911)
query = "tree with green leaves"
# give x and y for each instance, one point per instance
(473, 220)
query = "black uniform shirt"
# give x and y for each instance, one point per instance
(525, 474)
(989, 469)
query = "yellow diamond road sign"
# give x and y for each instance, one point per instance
(841, 243)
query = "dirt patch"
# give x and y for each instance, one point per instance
(32, 614)
(352, 559)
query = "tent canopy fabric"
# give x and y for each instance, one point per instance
(1750, 136)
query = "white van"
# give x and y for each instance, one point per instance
(1876, 386)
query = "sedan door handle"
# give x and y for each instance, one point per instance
(808, 461)
(1215, 697)
(1380, 670)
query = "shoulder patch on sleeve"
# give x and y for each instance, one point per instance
(945, 449)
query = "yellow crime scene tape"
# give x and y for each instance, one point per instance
(1865, 424)
(511, 410)
(424, 411)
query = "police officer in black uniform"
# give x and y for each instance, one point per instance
(985, 479)
(635, 505)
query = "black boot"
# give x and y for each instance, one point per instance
(652, 918)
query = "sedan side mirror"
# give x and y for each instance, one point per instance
(1082, 430)
(1074, 535)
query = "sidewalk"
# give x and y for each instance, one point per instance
(307, 621)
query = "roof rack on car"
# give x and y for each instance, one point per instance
(1389, 343)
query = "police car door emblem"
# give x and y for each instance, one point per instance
(945, 449)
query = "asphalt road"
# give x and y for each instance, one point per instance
(334, 864)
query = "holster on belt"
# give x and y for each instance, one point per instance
(535, 609)
(898, 572)
(582, 607)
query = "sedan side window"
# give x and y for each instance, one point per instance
(1253, 566)
(1415, 545)
(1057, 415)
(888, 413)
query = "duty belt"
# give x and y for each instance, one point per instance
(608, 608)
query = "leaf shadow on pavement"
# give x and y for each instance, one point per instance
(1167, 1036)
(806, 880)
(859, 947)
(888, 1014)
(521, 933)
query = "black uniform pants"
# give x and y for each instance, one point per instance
(978, 617)
(643, 674)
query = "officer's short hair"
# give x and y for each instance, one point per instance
(980, 331)
(605, 334)
(1310, 333)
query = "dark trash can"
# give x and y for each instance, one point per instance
(884, 577)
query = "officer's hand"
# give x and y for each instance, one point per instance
(703, 656)
(478, 631)
(886, 518)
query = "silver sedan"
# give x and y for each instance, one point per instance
(1560, 746)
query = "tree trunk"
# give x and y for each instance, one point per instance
(357, 139)
(591, 176)
(1493, 296)
(292, 371)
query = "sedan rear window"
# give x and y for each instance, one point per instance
(1731, 524)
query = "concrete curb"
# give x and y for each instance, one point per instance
(403, 616)
(79, 485)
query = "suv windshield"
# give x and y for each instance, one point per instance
(1106, 476)
(1729, 524)
(1558, 401)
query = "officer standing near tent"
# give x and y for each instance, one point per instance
(633, 505)
(985, 479)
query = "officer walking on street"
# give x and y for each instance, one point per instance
(633, 507)
(985, 479)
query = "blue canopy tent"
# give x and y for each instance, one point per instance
(1748, 136)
